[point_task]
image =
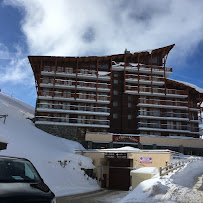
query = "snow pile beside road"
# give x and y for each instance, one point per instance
(177, 187)
(44, 150)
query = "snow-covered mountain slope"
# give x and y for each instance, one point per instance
(44, 150)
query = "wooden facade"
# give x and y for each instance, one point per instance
(126, 93)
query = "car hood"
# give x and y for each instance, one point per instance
(31, 191)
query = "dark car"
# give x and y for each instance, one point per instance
(20, 182)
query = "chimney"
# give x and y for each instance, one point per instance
(126, 51)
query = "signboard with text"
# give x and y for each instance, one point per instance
(116, 155)
(146, 159)
(126, 138)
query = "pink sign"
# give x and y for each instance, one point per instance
(146, 159)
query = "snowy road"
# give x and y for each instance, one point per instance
(99, 196)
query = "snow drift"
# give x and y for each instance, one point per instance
(45, 151)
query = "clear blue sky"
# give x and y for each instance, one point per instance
(94, 27)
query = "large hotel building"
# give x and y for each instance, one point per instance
(115, 100)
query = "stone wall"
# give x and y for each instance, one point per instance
(67, 132)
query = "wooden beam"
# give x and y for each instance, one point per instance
(124, 73)
(111, 80)
(151, 75)
(76, 79)
(53, 94)
(97, 74)
(138, 66)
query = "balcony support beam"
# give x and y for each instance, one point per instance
(76, 79)
(97, 73)
(138, 66)
(124, 73)
(151, 75)
(53, 94)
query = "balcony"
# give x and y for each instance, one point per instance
(162, 103)
(82, 73)
(155, 91)
(163, 127)
(144, 79)
(72, 121)
(143, 68)
(71, 84)
(163, 115)
(68, 96)
(74, 107)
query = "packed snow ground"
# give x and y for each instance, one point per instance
(44, 150)
(175, 187)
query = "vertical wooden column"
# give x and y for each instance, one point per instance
(151, 75)
(165, 74)
(97, 73)
(111, 80)
(138, 66)
(76, 79)
(37, 81)
(200, 102)
(53, 94)
(188, 103)
(124, 73)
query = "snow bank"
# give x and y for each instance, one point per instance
(54, 157)
(192, 171)
(177, 187)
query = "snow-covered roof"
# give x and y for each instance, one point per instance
(127, 149)
(3, 140)
(147, 170)
(198, 89)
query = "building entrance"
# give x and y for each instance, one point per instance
(119, 174)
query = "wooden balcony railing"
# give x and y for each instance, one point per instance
(142, 66)
(73, 95)
(155, 90)
(73, 107)
(163, 114)
(86, 72)
(144, 77)
(73, 83)
(164, 126)
(73, 120)
(163, 102)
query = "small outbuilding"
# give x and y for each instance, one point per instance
(113, 166)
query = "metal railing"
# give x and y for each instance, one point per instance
(173, 166)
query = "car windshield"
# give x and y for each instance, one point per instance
(17, 170)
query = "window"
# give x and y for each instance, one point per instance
(129, 117)
(115, 92)
(115, 115)
(129, 105)
(115, 104)
(129, 98)
(115, 75)
(115, 81)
